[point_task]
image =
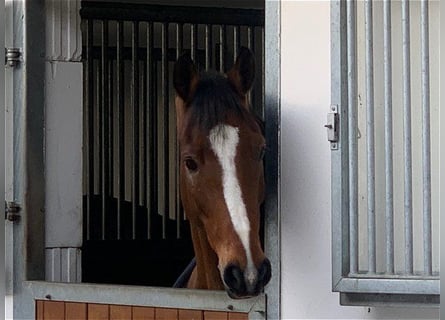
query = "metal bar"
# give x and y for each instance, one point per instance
(370, 144)
(236, 42)
(105, 128)
(251, 46)
(143, 122)
(263, 74)
(135, 104)
(251, 38)
(426, 140)
(408, 207)
(389, 286)
(164, 88)
(272, 230)
(151, 123)
(97, 228)
(179, 46)
(90, 114)
(121, 125)
(352, 130)
(176, 14)
(222, 42)
(193, 42)
(111, 127)
(389, 184)
(208, 46)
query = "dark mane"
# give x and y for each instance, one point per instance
(213, 100)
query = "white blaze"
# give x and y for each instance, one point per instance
(224, 141)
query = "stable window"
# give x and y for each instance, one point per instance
(135, 231)
(54, 259)
(383, 127)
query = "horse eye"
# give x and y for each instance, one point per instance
(191, 164)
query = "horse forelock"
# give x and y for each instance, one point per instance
(213, 102)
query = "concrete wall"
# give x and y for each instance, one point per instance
(305, 172)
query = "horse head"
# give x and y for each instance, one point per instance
(221, 175)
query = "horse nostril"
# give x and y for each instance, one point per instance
(234, 279)
(264, 272)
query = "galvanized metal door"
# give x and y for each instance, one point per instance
(384, 159)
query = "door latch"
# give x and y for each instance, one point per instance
(332, 127)
(12, 56)
(12, 211)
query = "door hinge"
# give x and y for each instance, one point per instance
(13, 56)
(332, 127)
(12, 211)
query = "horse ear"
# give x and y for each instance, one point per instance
(185, 76)
(242, 73)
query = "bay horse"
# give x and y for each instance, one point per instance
(221, 148)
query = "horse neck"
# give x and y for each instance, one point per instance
(206, 274)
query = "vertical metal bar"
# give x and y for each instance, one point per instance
(408, 207)
(208, 46)
(251, 46)
(222, 47)
(194, 41)
(90, 113)
(369, 62)
(135, 103)
(104, 127)
(143, 122)
(164, 75)
(426, 140)
(389, 185)
(121, 124)
(251, 37)
(179, 46)
(263, 74)
(236, 42)
(151, 123)
(111, 128)
(352, 130)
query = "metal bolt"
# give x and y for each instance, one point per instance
(48, 296)
(230, 307)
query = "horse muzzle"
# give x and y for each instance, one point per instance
(241, 284)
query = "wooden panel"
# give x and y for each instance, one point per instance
(166, 314)
(98, 312)
(39, 310)
(53, 310)
(215, 315)
(238, 316)
(143, 313)
(75, 311)
(190, 314)
(120, 312)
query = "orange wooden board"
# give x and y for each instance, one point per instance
(120, 312)
(238, 316)
(166, 314)
(184, 314)
(215, 315)
(143, 313)
(53, 310)
(75, 311)
(39, 310)
(98, 312)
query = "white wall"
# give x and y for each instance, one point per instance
(305, 172)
